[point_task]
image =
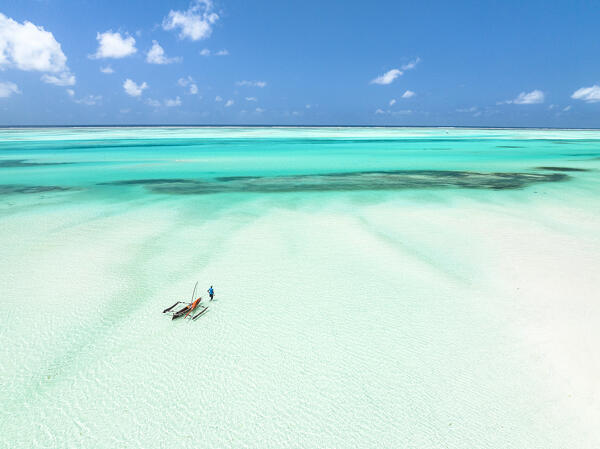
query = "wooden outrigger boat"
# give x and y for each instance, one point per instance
(187, 309)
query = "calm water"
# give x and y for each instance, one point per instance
(221, 160)
(376, 287)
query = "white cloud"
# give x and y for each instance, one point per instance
(388, 77)
(113, 45)
(408, 94)
(401, 112)
(156, 55)
(229, 103)
(133, 89)
(8, 88)
(251, 83)
(71, 92)
(153, 103)
(107, 70)
(173, 102)
(392, 102)
(31, 48)
(89, 100)
(587, 94)
(207, 52)
(195, 23)
(260, 110)
(471, 109)
(189, 81)
(251, 99)
(567, 108)
(63, 79)
(411, 65)
(534, 97)
(218, 98)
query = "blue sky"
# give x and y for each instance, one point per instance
(464, 63)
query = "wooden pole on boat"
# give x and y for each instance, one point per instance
(194, 294)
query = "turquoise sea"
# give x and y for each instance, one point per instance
(376, 287)
(222, 160)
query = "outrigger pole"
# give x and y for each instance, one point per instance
(200, 313)
(169, 308)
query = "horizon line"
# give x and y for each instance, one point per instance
(287, 126)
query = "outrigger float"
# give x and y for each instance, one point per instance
(188, 308)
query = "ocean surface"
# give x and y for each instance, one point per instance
(375, 287)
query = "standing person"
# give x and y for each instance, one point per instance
(211, 292)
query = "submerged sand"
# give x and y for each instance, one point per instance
(425, 318)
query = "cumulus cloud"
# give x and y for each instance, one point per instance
(218, 98)
(534, 97)
(388, 77)
(7, 88)
(63, 79)
(207, 52)
(113, 45)
(89, 100)
(251, 83)
(107, 70)
(251, 99)
(168, 102)
(471, 109)
(260, 110)
(156, 55)
(401, 112)
(196, 23)
(25, 46)
(411, 65)
(153, 103)
(567, 108)
(392, 102)
(71, 92)
(587, 94)
(133, 89)
(408, 94)
(229, 103)
(173, 102)
(188, 82)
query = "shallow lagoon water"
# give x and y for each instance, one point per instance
(376, 287)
